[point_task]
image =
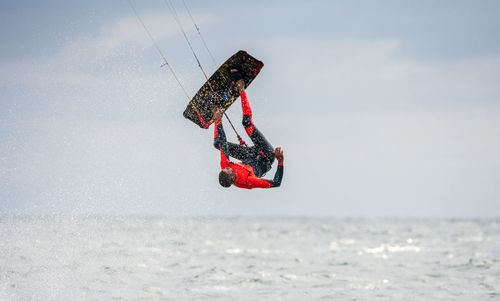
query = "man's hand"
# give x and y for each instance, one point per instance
(218, 112)
(239, 86)
(278, 153)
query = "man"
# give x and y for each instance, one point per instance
(256, 160)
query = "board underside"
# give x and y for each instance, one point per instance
(204, 100)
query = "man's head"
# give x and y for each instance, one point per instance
(227, 177)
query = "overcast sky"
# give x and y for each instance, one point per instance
(383, 108)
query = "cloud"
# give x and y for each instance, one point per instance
(85, 59)
(114, 36)
(370, 74)
(359, 122)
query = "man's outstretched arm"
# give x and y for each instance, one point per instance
(255, 182)
(220, 138)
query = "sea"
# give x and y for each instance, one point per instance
(244, 258)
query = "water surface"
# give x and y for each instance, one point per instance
(98, 258)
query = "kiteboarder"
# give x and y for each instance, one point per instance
(256, 160)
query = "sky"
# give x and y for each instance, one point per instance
(383, 109)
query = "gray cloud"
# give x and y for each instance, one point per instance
(96, 127)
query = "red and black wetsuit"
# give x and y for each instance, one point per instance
(256, 160)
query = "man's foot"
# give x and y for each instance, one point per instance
(239, 86)
(238, 78)
(235, 74)
(217, 114)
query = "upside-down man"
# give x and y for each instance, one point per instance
(256, 160)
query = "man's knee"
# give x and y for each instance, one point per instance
(248, 124)
(247, 121)
(217, 143)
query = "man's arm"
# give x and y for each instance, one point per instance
(255, 182)
(220, 138)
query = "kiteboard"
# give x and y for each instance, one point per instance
(219, 89)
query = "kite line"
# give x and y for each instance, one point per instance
(176, 17)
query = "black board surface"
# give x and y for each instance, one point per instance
(205, 100)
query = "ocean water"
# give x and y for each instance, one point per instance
(110, 258)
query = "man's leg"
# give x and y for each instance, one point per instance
(260, 142)
(237, 151)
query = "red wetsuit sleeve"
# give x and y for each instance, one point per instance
(216, 132)
(224, 161)
(245, 105)
(255, 182)
(247, 113)
(220, 140)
